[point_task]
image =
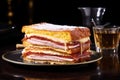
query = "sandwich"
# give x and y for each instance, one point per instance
(55, 44)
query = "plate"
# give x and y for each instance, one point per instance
(15, 57)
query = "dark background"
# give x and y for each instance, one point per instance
(52, 11)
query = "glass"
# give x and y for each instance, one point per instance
(106, 38)
(89, 13)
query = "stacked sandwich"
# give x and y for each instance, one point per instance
(55, 44)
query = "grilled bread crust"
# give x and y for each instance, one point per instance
(65, 34)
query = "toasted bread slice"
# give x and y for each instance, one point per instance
(61, 33)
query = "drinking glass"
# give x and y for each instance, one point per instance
(106, 38)
(89, 13)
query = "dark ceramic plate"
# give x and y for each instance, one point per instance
(15, 57)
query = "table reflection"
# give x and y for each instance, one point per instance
(109, 63)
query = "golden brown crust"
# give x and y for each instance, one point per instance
(69, 51)
(80, 33)
(26, 44)
(66, 35)
(45, 50)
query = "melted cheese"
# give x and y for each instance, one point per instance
(83, 40)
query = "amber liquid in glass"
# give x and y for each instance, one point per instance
(106, 40)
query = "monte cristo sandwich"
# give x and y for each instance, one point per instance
(55, 44)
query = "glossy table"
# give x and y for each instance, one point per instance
(106, 69)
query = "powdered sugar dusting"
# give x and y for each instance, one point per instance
(54, 27)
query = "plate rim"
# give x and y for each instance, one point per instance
(33, 64)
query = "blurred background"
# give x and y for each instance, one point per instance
(16, 13)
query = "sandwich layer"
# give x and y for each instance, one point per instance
(71, 47)
(57, 32)
(40, 54)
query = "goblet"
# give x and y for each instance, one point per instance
(89, 13)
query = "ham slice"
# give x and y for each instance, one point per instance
(76, 45)
(50, 57)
